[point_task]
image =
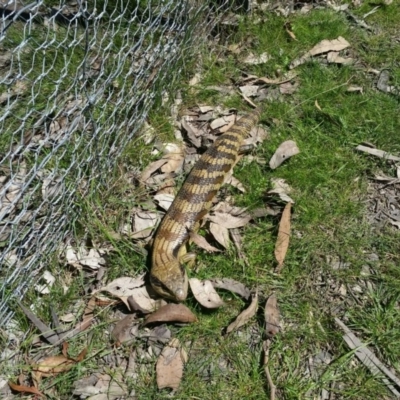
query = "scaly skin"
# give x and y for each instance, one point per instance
(168, 275)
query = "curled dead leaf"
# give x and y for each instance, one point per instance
(229, 221)
(169, 368)
(245, 315)
(271, 315)
(282, 189)
(25, 389)
(221, 234)
(282, 242)
(286, 150)
(202, 243)
(233, 286)
(205, 293)
(122, 330)
(125, 287)
(324, 46)
(171, 313)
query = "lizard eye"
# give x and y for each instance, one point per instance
(156, 282)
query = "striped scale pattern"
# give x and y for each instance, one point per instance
(168, 275)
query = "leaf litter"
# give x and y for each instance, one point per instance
(224, 220)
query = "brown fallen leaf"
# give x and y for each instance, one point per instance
(249, 90)
(288, 87)
(124, 287)
(237, 241)
(324, 46)
(55, 365)
(286, 150)
(231, 180)
(173, 153)
(288, 29)
(282, 189)
(122, 330)
(25, 389)
(354, 88)
(255, 59)
(202, 243)
(171, 313)
(205, 293)
(245, 315)
(164, 200)
(223, 123)
(151, 168)
(170, 363)
(229, 221)
(194, 133)
(232, 285)
(271, 315)
(277, 81)
(143, 224)
(221, 234)
(334, 58)
(282, 243)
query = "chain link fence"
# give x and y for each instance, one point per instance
(77, 80)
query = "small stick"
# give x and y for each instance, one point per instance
(266, 345)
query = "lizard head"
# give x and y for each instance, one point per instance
(170, 281)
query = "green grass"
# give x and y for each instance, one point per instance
(329, 180)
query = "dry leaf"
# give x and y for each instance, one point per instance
(171, 313)
(169, 368)
(317, 105)
(278, 81)
(289, 32)
(353, 88)
(255, 60)
(257, 135)
(333, 57)
(322, 47)
(202, 243)
(223, 123)
(164, 200)
(271, 315)
(281, 188)
(220, 234)
(49, 279)
(125, 287)
(55, 365)
(143, 224)
(151, 168)
(282, 243)
(288, 87)
(229, 221)
(245, 315)
(249, 90)
(231, 285)
(231, 180)
(25, 389)
(205, 294)
(284, 151)
(123, 328)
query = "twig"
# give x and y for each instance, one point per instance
(368, 358)
(47, 333)
(271, 384)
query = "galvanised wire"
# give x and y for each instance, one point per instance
(77, 80)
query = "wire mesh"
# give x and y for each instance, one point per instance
(77, 80)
